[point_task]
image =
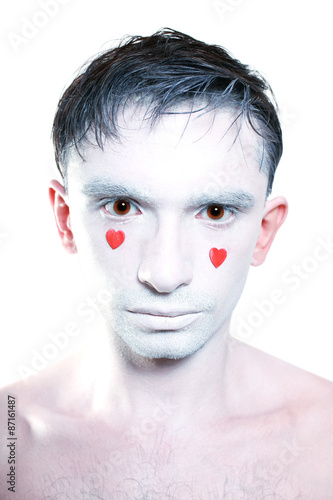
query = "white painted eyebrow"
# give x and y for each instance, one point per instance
(235, 197)
(104, 188)
(99, 188)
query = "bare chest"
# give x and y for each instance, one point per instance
(155, 465)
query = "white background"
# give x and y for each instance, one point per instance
(41, 288)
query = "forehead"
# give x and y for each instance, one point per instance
(182, 151)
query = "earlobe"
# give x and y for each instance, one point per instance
(58, 199)
(274, 215)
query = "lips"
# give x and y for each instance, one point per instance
(165, 313)
(157, 320)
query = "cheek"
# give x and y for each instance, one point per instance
(225, 265)
(241, 243)
(226, 283)
(232, 250)
(107, 258)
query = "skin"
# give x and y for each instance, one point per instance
(164, 403)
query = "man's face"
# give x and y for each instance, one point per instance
(176, 191)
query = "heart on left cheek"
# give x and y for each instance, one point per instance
(217, 256)
(115, 238)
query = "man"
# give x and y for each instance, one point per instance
(164, 404)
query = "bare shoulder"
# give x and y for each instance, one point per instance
(43, 397)
(299, 405)
(284, 382)
(44, 388)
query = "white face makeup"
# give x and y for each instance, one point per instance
(176, 192)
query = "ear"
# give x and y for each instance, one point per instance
(274, 215)
(58, 199)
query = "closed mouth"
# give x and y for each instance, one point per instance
(165, 314)
(163, 320)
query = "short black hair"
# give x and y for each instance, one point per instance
(162, 71)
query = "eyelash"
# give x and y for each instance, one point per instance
(104, 203)
(234, 212)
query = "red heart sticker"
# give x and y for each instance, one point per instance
(217, 256)
(115, 238)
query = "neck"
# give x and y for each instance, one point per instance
(188, 389)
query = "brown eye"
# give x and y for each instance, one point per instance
(215, 212)
(121, 207)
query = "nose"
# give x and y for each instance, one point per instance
(166, 264)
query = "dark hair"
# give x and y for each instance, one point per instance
(162, 71)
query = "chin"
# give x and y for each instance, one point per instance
(164, 345)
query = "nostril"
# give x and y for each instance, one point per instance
(164, 278)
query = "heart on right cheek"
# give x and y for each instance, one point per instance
(217, 256)
(115, 238)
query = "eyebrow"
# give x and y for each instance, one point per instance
(99, 187)
(232, 197)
